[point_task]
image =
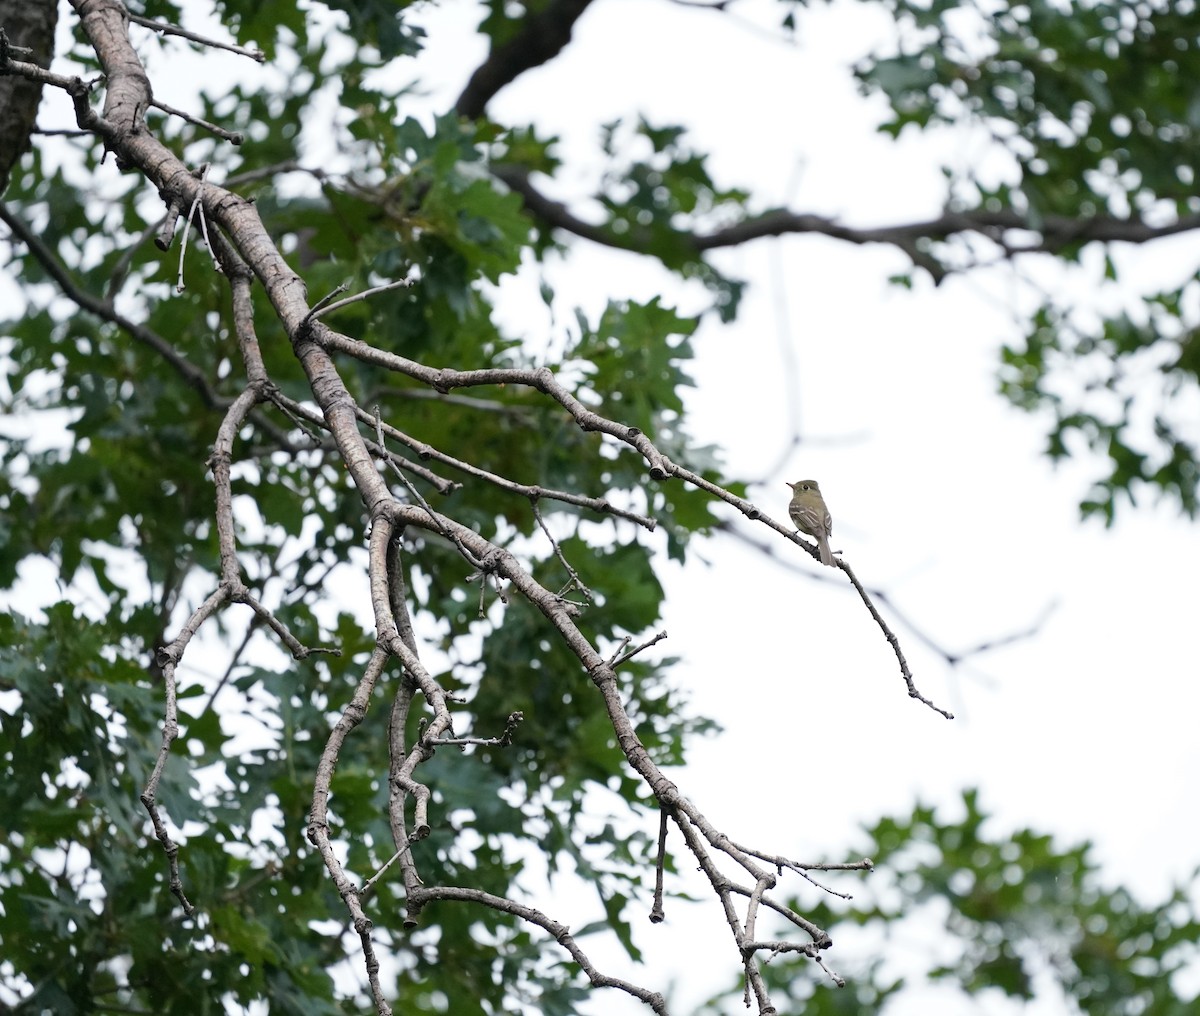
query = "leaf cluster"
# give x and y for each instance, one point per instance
(1092, 107)
(114, 496)
(1017, 916)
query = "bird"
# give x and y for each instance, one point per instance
(811, 517)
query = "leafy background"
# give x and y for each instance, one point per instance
(894, 395)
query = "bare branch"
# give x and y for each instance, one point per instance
(322, 308)
(560, 932)
(702, 838)
(196, 379)
(1052, 233)
(503, 741)
(318, 820)
(893, 641)
(657, 913)
(233, 137)
(251, 251)
(619, 658)
(163, 28)
(542, 35)
(574, 582)
(197, 207)
(952, 657)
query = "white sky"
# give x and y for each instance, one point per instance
(938, 489)
(939, 492)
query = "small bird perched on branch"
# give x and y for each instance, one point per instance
(811, 517)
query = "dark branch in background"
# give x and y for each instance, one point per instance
(559, 216)
(539, 38)
(1051, 235)
(106, 311)
(951, 657)
(1056, 231)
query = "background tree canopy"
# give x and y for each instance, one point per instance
(359, 588)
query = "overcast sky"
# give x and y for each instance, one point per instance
(939, 491)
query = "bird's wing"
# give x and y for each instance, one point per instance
(806, 517)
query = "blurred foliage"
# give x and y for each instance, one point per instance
(104, 494)
(1096, 107)
(1102, 386)
(982, 915)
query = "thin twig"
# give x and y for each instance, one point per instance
(337, 290)
(320, 311)
(802, 868)
(167, 225)
(233, 137)
(611, 661)
(163, 28)
(197, 203)
(503, 741)
(893, 641)
(368, 886)
(574, 581)
(427, 451)
(416, 496)
(559, 932)
(657, 913)
(654, 639)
